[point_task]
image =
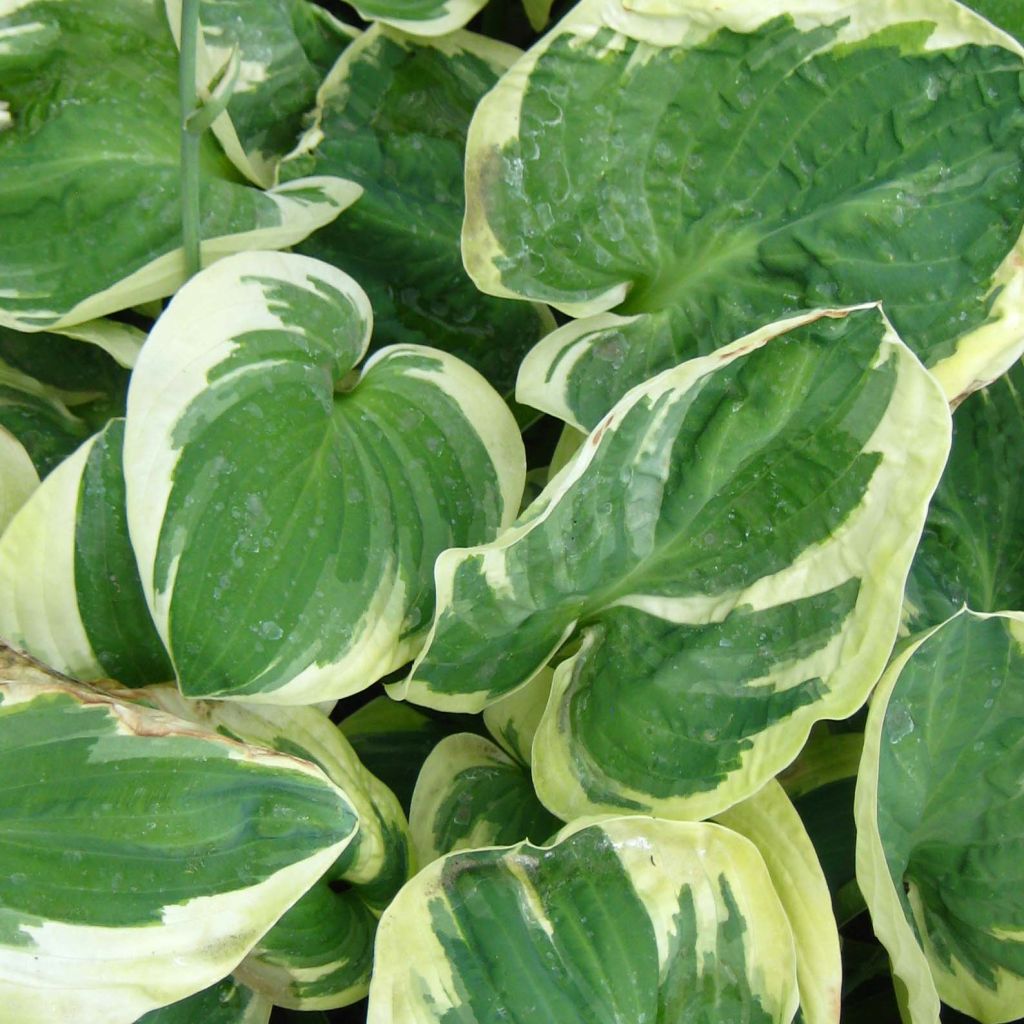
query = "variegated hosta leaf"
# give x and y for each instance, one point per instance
(679, 173)
(423, 18)
(538, 12)
(227, 1002)
(393, 117)
(90, 214)
(772, 824)
(821, 783)
(940, 819)
(730, 544)
(283, 50)
(55, 392)
(1007, 14)
(471, 794)
(514, 719)
(18, 476)
(70, 592)
(621, 922)
(320, 953)
(392, 740)
(970, 550)
(286, 517)
(142, 856)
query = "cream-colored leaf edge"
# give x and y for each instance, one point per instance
(887, 537)
(300, 216)
(649, 850)
(107, 975)
(772, 824)
(333, 90)
(438, 780)
(39, 610)
(687, 23)
(210, 61)
(920, 978)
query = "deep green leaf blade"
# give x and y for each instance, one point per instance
(729, 546)
(227, 1002)
(320, 953)
(285, 518)
(143, 856)
(393, 117)
(284, 49)
(471, 794)
(70, 592)
(940, 818)
(700, 172)
(393, 740)
(628, 921)
(971, 548)
(90, 215)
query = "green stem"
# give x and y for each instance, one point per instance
(189, 139)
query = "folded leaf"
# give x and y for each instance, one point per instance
(730, 545)
(513, 720)
(18, 476)
(772, 824)
(320, 953)
(70, 592)
(393, 117)
(680, 173)
(471, 794)
(285, 516)
(143, 856)
(940, 819)
(625, 921)
(90, 210)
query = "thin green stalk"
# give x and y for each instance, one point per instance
(189, 139)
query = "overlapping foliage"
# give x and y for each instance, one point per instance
(627, 429)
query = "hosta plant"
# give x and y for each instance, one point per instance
(511, 513)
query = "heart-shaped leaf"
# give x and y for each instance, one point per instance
(286, 516)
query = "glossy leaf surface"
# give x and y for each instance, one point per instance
(729, 545)
(679, 175)
(285, 511)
